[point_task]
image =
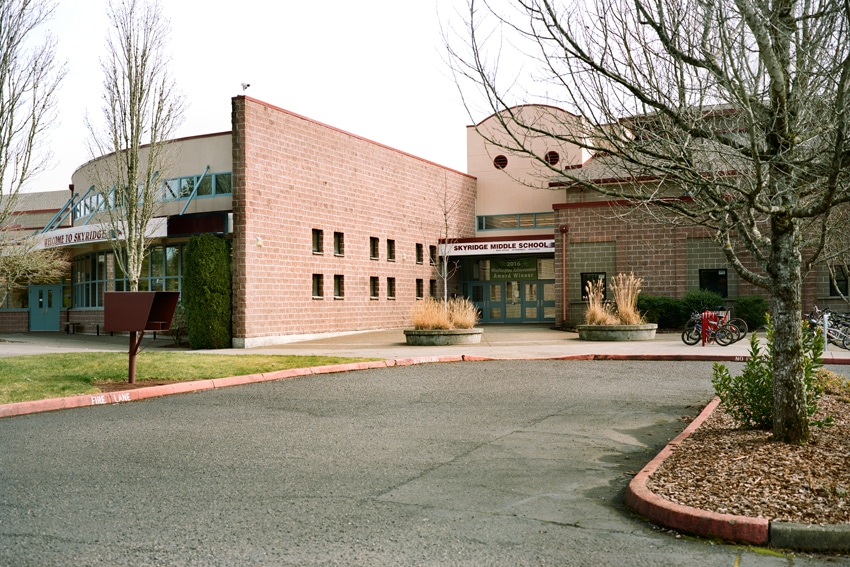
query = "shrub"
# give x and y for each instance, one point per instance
(207, 292)
(701, 299)
(666, 312)
(178, 324)
(456, 313)
(752, 309)
(598, 312)
(749, 397)
(626, 289)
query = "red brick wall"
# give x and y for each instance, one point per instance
(291, 175)
(653, 250)
(17, 321)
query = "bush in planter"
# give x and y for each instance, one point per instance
(626, 289)
(698, 300)
(749, 397)
(666, 312)
(456, 313)
(598, 312)
(752, 309)
(207, 292)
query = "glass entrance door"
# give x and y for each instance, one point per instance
(45, 303)
(489, 298)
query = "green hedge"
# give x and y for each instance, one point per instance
(698, 300)
(666, 312)
(207, 292)
(752, 309)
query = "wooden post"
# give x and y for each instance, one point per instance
(134, 350)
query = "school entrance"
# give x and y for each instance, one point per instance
(45, 303)
(511, 289)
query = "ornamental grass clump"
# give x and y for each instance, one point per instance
(432, 314)
(598, 312)
(626, 289)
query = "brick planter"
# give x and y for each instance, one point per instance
(645, 332)
(439, 337)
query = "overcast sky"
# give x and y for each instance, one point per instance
(375, 68)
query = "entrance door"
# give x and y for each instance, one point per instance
(513, 302)
(45, 303)
(489, 298)
(538, 301)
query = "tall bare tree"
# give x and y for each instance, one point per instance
(728, 114)
(141, 110)
(29, 78)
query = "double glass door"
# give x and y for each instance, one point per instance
(514, 301)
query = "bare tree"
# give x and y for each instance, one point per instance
(22, 264)
(28, 82)
(141, 109)
(444, 267)
(727, 114)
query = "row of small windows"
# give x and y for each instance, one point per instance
(517, 221)
(374, 287)
(318, 237)
(207, 185)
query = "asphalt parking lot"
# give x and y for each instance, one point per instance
(475, 463)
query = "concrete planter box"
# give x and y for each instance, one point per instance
(439, 337)
(644, 332)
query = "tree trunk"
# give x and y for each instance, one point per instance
(790, 421)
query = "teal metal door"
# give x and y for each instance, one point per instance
(538, 301)
(45, 303)
(489, 298)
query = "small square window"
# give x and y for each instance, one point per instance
(390, 250)
(432, 288)
(374, 287)
(714, 280)
(420, 253)
(432, 252)
(339, 244)
(318, 286)
(838, 286)
(420, 288)
(339, 286)
(318, 238)
(390, 288)
(587, 277)
(373, 248)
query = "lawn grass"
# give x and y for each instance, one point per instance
(38, 377)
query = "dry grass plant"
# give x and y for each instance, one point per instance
(598, 312)
(432, 314)
(626, 289)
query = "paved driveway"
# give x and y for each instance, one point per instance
(487, 463)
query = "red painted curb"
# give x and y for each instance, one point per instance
(639, 498)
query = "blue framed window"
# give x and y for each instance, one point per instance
(516, 222)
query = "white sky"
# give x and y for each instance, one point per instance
(375, 68)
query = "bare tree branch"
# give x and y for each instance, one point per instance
(141, 110)
(725, 114)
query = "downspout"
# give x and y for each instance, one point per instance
(564, 229)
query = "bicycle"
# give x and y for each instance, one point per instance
(837, 328)
(718, 330)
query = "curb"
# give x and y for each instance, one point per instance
(739, 529)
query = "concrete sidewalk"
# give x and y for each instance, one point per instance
(502, 342)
